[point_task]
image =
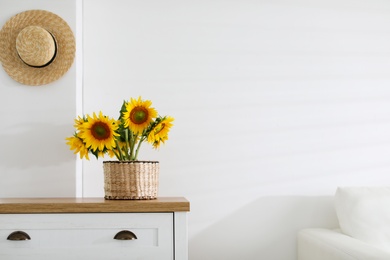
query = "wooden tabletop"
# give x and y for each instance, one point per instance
(91, 205)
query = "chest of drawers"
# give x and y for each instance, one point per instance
(93, 228)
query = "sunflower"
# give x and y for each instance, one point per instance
(159, 133)
(79, 122)
(138, 115)
(111, 153)
(77, 144)
(100, 135)
(98, 132)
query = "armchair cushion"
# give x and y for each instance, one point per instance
(327, 244)
(364, 214)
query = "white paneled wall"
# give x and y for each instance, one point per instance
(276, 104)
(34, 159)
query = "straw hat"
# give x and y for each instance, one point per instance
(36, 47)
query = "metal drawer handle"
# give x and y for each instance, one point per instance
(125, 235)
(18, 235)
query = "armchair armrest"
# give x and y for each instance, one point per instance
(327, 244)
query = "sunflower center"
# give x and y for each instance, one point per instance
(139, 115)
(100, 130)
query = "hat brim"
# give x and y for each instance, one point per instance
(23, 73)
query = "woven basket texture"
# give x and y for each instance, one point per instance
(131, 180)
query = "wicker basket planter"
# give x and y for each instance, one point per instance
(131, 180)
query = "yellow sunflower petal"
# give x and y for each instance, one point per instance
(139, 114)
(160, 133)
(99, 132)
(77, 144)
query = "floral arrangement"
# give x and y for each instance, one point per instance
(138, 122)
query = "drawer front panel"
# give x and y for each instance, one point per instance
(83, 236)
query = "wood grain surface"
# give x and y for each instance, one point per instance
(91, 205)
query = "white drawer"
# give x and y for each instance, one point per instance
(87, 236)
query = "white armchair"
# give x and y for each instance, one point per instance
(326, 244)
(364, 234)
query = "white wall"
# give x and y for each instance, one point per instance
(34, 160)
(276, 104)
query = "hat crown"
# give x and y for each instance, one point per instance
(35, 46)
(51, 58)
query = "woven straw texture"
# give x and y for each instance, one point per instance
(57, 27)
(43, 49)
(136, 180)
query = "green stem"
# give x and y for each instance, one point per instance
(132, 145)
(139, 146)
(118, 154)
(128, 143)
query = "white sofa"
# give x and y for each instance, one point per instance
(364, 233)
